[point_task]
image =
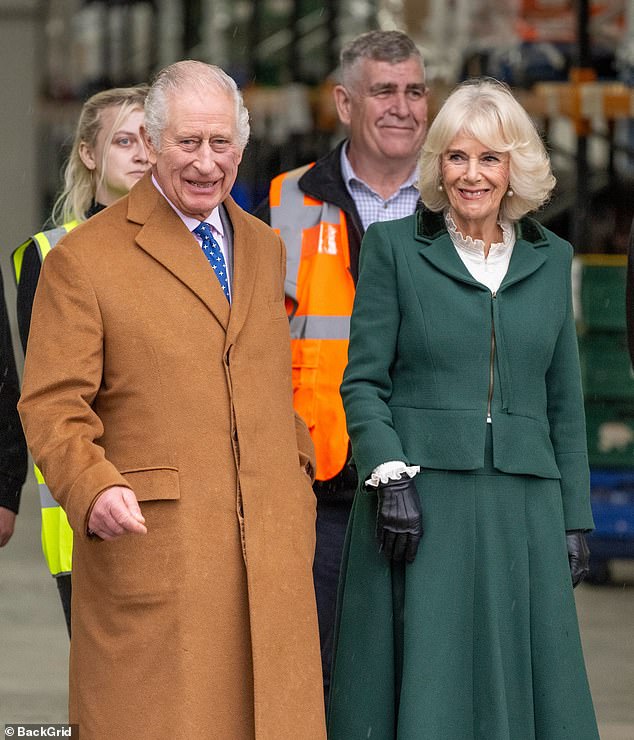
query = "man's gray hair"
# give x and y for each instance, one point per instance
(381, 46)
(193, 75)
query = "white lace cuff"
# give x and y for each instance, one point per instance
(392, 470)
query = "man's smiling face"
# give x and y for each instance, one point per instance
(386, 109)
(197, 161)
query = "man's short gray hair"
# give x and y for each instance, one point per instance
(381, 46)
(193, 75)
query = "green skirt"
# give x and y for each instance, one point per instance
(478, 638)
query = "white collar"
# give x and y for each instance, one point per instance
(476, 246)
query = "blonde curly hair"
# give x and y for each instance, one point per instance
(486, 109)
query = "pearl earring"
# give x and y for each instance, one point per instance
(510, 193)
(440, 187)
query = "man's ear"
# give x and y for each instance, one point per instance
(149, 146)
(342, 103)
(86, 156)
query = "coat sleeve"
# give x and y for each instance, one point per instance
(367, 382)
(566, 417)
(13, 460)
(62, 376)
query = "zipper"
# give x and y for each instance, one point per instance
(491, 361)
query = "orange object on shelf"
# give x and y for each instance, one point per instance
(555, 20)
(582, 100)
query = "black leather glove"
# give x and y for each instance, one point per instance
(399, 522)
(578, 555)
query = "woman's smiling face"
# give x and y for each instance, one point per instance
(475, 179)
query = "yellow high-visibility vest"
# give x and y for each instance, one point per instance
(57, 536)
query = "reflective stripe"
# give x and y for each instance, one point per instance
(46, 499)
(44, 241)
(320, 327)
(43, 244)
(290, 218)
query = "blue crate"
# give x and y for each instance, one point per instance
(612, 478)
(612, 499)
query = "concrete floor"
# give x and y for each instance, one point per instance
(34, 644)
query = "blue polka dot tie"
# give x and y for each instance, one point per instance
(213, 253)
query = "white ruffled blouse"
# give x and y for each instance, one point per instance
(490, 270)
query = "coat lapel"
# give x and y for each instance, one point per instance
(443, 256)
(245, 267)
(166, 239)
(528, 253)
(438, 249)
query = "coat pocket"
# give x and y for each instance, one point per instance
(153, 484)
(143, 571)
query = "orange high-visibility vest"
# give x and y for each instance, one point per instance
(319, 298)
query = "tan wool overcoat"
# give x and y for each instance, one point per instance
(138, 373)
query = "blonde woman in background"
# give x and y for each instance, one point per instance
(107, 158)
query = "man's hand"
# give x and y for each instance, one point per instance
(116, 512)
(7, 524)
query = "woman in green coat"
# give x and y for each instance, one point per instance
(464, 407)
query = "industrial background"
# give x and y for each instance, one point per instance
(570, 62)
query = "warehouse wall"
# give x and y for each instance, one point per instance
(19, 35)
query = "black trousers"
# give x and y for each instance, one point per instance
(334, 502)
(65, 592)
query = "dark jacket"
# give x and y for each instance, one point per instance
(13, 458)
(325, 182)
(29, 275)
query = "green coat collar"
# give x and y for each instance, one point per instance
(528, 255)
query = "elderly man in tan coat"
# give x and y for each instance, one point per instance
(157, 403)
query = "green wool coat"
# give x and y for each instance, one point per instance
(477, 639)
(427, 406)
